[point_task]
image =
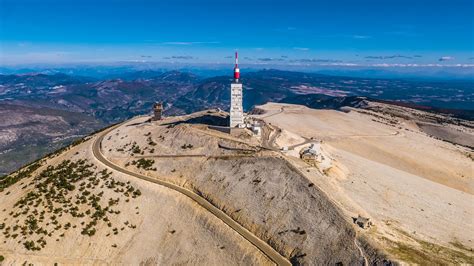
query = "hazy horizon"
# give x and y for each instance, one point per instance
(306, 35)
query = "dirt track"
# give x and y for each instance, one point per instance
(260, 244)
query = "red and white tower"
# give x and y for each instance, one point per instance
(236, 96)
(236, 68)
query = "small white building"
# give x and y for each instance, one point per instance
(257, 130)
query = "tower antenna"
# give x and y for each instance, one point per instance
(236, 68)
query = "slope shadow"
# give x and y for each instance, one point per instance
(210, 120)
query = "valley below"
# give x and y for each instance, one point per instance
(44, 112)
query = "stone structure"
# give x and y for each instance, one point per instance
(312, 153)
(157, 111)
(362, 222)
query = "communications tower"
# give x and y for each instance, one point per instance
(236, 96)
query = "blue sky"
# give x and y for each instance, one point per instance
(363, 32)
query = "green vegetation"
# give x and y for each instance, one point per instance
(69, 189)
(150, 142)
(6, 181)
(136, 149)
(25, 153)
(470, 156)
(132, 147)
(426, 253)
(187, 146)
(145, 164)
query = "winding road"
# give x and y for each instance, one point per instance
(249, 236)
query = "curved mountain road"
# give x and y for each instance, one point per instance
(249, 236)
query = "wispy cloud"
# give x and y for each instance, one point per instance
(346, 36)
(340, 64)
(301, 48)
(188, 43)
(316, 60)
(269, 59)
(361, 36)
(146, 56)
(422, 65)
(387, 65)
(180, 57)
(50, 54)
(445, 58)
(389, 56)
(38, 57)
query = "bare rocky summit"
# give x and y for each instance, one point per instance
(181, 191)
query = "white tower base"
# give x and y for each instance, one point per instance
(236, 109)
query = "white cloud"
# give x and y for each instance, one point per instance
(421, 65)
(301, 48)
(188, 43)
(183, 57)
(387, 65)
(445, 58)
(361, 36)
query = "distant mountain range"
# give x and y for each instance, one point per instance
(95, 102)
(28, 133)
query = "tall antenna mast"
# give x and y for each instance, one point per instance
(236, 68)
